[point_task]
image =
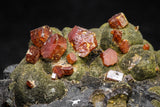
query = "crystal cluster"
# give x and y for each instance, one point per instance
(54, 47)
(46, 44)
(119, 21)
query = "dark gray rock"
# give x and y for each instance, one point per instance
(8, 70)
(6, 97)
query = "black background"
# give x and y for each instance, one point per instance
(18, 18)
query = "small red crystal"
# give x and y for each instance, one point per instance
(58, 71)
(71, 58)
(30, 84)
(54, 47)
(124, 46)
(40, 35)
(146, 46)
(109, 57)
(118, 21)
(117, 36)
(82, 40)
(67, 70)
(33, 54)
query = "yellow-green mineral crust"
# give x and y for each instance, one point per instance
(139, 62)
(129, 33)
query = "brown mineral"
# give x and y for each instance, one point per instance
(67, 70)
(109, 57)
(71, 58)
(118, 21)
(58, 71)
(124, 46)
(40, 35)
(32, 54)
(54, 47)
(82, 40)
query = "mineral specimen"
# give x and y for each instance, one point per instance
(82, 40)
(54, 47)
(40, 35)
(74, 62)
(71, 58)
(109, 57)
(118, 21)
(32, 54)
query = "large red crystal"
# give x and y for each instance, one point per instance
(118, 21)
(82, 40)
(109, 57)
(33, 54)
(71, 58)
(54, 47)
(40, 35)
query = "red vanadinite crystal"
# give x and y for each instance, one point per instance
(82, 40)
(146, 46)
(71, 58)
(30, 84)
(118, 21)
(33, 54)
(117, 36)
(54, 47)
(40, 35)
(109, 57)
(67, 70)
(59, 72)
(124, 46)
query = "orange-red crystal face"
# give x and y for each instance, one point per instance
(30, 84)
(117, 36)
(146, 46)
(118, 21)
(82, 40)
(67, 70)
(40, 35)
(124, 46)
(71, 58)
(33, 54)
(54, 47)
(109, 57)
(59, 72)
